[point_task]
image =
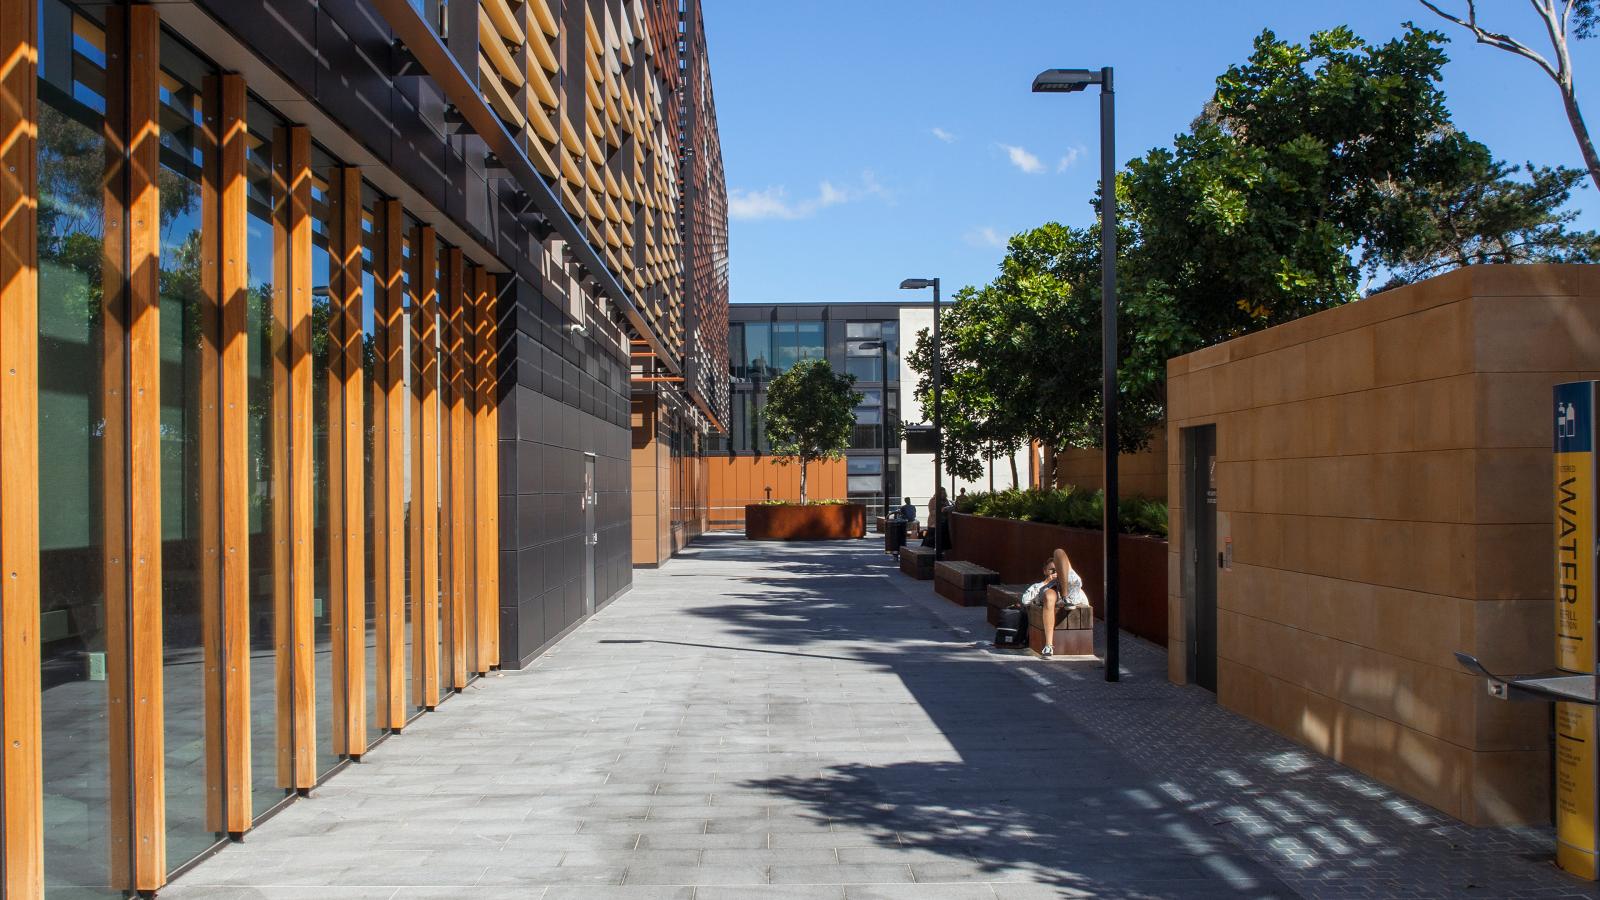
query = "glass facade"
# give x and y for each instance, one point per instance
(74, 638)
(763, 346)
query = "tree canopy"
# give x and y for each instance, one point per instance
(1315, 170)
(809, 413)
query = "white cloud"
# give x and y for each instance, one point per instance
(774, 202)
(985, 236)
(1022, 159)
(1074, 153)
(943, 135)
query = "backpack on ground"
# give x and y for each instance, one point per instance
(1013, 628)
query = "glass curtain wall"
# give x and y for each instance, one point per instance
(408, 251)
(72, 621)
(372, 238)
(323, 224)
(190, 449)
(268, 784)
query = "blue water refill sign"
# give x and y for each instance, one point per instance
(1575, 626)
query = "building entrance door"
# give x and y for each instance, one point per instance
(1201, 559)
(591, 538)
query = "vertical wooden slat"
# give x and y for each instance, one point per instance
(141, 362)
(454, 618)
(486, 476)
(467, 609)
(234, 283)
(21, 763)
(301, 697)
(388, 478)
(346, 509)
(208, 316)
(425, 471)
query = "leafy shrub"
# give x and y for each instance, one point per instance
(835, 502)
(1071, 507)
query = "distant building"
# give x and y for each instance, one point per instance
(764, 340)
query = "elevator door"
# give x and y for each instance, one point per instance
(1200, 480)
(590, 537)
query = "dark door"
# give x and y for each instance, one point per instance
(1200, 537)
(590, 536)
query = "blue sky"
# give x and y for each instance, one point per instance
(874, 140)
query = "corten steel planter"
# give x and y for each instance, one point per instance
(1018, 550)
(827, 522)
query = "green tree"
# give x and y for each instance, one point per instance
(809, 413)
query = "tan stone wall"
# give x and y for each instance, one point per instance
(1141, 474)
(1384, 470)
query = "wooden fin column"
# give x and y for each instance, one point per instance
(346, 506)
(235, 432)
(388, 510)
(425, 470)
(21, 737)
(486, 475)
(453, 618)
(131, 483)
(291, 448)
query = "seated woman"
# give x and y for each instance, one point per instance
(1054, 597)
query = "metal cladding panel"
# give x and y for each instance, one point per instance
(352, 85)
(283, 32)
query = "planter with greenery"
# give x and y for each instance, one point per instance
(809, 413)
(1013, 532)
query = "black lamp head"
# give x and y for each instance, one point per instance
(1064, 81)
(916, 284)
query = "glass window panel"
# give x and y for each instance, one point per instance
(867, 416)
(866, 437)
(861, 329)
(758, 350)
(189, 452)
(409, 225)
(372, 238)
(322, 225)
(785, 350)
(863, 484)
(72, 605)
(266, 786)
(870, 397)
(810, 341)
(863, 465)
(736, 358)
(862, 369)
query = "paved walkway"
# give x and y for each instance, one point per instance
(755, 721)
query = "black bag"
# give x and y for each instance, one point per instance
(1013, 628)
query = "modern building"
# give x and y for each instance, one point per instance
(862, 339)
(320, 325)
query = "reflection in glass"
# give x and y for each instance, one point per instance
(265, 783)
(190, 448)
(322, 231)
(413, 672)
(72, 601)
(372, 237)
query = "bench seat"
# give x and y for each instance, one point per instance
(963, 583)
(1074, 635)
(1003, 596)
(917, 562)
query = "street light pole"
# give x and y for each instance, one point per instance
(1071, 81)
(883, 412)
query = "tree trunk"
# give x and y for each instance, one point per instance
(991, 474)
(1014, 471)
(802, 481)
(1569, 98)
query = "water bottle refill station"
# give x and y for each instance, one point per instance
(1572, 691)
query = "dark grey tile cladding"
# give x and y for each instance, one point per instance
(561, 398)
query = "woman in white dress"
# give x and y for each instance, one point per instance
(1051, 593)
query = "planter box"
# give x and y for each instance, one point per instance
(1017, 550)
(828, 522)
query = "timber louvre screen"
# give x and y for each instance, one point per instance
(150, 479)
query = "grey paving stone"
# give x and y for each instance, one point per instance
(804, 715)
